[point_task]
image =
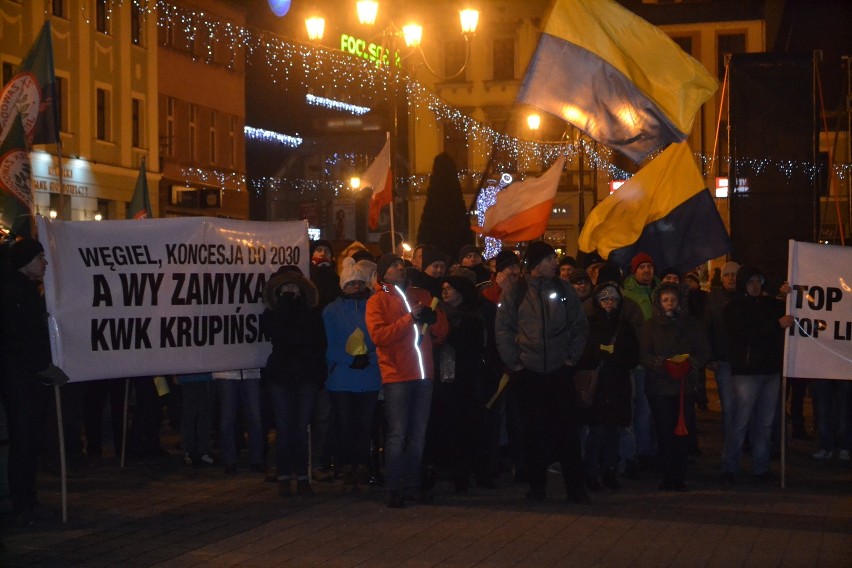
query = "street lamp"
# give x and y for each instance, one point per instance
(534, 123)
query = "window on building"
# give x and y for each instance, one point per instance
(212, 136)
(102, 15)
(685, 43)
(8, 71)
(193, 116)
(102, 113)
(728, 43)
(59, 8)
(136, 27)
(503, 50)
(455, 52)
(137, 123)
(63, 101)
(170, 126)
(232, 141)
(455, 144)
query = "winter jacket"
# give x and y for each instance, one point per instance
(613, 400)
(714, 323)
(663, 337)
(342, 317)
(641, 294)
(296, 330)
(25, 341)
(404, 354)
(543, 329)
(755, 337)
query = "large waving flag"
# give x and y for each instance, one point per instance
(140, 203)
(522, 210)
(380, 178)
(16, 191)
(664, 210)
(31, 93)
(616, 77)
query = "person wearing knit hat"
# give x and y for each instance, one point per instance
(670, 275)
(541, 332)
(402, 324)
(321, 251)
(581, 282)
(367, 268)
(507, 267)
(324, 276)
(638, 288)
(434, 261)
(470, 256)
(26, 370)
(566, 264)
(693, 281)
(434, 266)
(538, 251)
(354, 380)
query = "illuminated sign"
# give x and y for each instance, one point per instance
(615, 184)
(369, 51)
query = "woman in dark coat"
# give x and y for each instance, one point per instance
(613, 349)
(295, 370)
(670, 383)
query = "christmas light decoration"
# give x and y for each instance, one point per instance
(336, 105)
(262, 135)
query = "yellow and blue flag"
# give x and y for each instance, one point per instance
(664, 210)
(616, 77)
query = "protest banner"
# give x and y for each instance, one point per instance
(819, 345)
(162, 296)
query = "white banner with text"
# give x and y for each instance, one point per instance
(819, 345)
(162, 296)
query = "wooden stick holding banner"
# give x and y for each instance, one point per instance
(124, 425)
(62, 470)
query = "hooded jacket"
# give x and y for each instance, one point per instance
(755, 338)
(665, 336)
(295, 327)
(342, 317)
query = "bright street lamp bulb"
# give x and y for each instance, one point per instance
(534, 121)
(355, 182)
(53, 214)
(406, 247)
(316, 27)
(413, 34)
(98, 216)
(469, 19)
(367, 11)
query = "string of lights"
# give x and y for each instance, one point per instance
(336, 105)
(259, 134)
(330, 70)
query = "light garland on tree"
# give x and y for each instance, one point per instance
(486, 198)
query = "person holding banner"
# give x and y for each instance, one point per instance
(755, 323)
(673, 348)
(295, 370)
(28, 372)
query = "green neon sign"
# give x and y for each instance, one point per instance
(367, 50)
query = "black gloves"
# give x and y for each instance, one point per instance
(359, 362)
(53, 375)
(427, 315)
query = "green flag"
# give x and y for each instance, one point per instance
(140, 203)
(16, 191)
(31, 92)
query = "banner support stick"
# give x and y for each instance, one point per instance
(62, 469)
(124, 424)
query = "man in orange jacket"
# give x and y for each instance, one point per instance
(403, 326)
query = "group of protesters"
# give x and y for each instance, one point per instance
(398, 373)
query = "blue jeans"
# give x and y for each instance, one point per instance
(232, 392)
(407, 407)
(834, 414)
(723, 385)
(643, 426)
(353, 413)
(754, 398)
(292, 405)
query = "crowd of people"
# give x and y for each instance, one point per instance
(397, 373)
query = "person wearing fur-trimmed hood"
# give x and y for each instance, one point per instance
(295, 370)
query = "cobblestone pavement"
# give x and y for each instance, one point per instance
(161, 513)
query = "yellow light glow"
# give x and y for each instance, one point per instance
(355, 182)
(367, 12)
(574, 115)
(98, 216)
(469, 19)
(406, 247)
(413, 34)
(316, 27)
(53, 214)
(533, 121)
(627, 116)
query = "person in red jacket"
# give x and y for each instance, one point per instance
(403, 327)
